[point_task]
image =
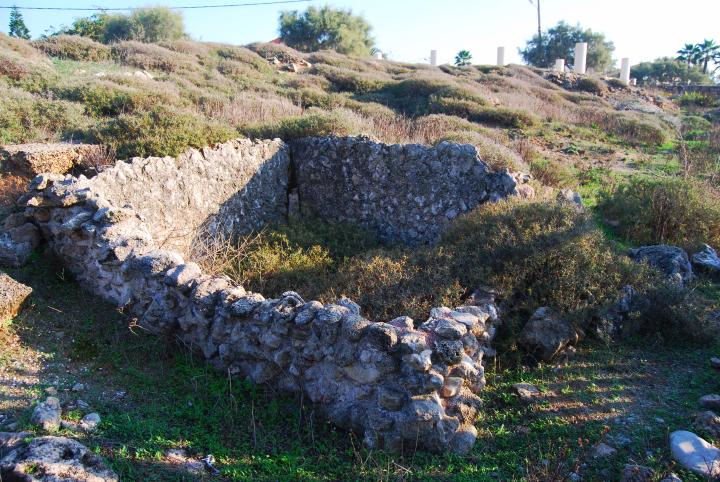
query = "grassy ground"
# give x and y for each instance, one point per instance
(154, 396)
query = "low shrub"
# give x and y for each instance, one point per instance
(338, 122)
(160, 131)
(696, 99)
(152, 57)
(245, 56)
(496, 155)
(677, 211)
(552, 173)
(106, 98)
(346, 80)
(504, 117)
(73, 47)
(591, 85)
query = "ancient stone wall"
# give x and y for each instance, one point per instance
(232, 188)
(405, 193)
(395, 384)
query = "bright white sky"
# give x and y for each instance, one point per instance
(409, 29)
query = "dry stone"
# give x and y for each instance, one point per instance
(407, 193)
(33, 159)
(50, 459)
(671, 261)
(12, 296)
(546, 334)
(396, 385)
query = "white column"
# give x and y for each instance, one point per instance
(501, 56)
(433, 57)
(581, 49)
(625, 70)
(378, 55)
(559, 65)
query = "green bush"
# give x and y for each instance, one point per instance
(318, 124)
(160, 131)
(73, 47)
(676, 211)
(106, 98)
(552, 173)
(591, 85)
(152, 57)
(350, 81)
(505, 117)
(697, 99)
(496, 155)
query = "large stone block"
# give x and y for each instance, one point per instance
(12, 296)
(33, 159)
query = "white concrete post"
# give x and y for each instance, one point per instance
(501, 56)
(625, 70)
(581, 49)
(433, 57)
(559, 65)
(378, 55)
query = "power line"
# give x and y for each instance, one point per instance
(187, 7)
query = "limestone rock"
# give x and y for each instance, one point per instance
(12, 296)
(526, 392)
(671, 261)
(568, 196)
(711, 402)
(33, 159)
(636, 473)
(602, 450)
(715, 362)
(706, 259)
(46, 415)
(694, 453)
(90, 422)
(709, 422)
(17, 244)
(546, 334)
(51, 459)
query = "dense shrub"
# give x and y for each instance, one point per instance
(152, 57)
(496, 155)
(351, 81)
(73, 47)
(106, 98)
(591, 85)
(552, 173)
(697, 99)
(338, 122)
(158, 132)
(663, 210)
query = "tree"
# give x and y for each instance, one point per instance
(707, 50)
(326, 28)
(463, 58)
(559, 42)
(17, 27)
(667, 70)
(157, 24)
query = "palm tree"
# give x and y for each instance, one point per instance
(463, 58)
(690, 54)
(707, 50)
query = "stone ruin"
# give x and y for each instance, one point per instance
(400, 386)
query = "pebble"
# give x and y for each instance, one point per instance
(602, 450)
(710, 401)
(715, 362)
(78, 387)
(527, 392)
(90, 422)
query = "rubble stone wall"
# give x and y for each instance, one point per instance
(395, 384)
(230, 189)
(406, 193)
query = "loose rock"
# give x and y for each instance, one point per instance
(526, 392)
(636, 473)
(12, 296)
(671, 261)
(546, 334)
(710, 401)
(706, 259)
(47, 415)
(694, 453)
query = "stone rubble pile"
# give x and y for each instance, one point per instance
(396, 385)
(33, 159)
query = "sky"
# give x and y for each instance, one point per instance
(408, 29)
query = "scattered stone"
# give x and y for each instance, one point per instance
(706, 259)
(526, 392)
(710, 401)
(47, 415)
(78, 387)
(671, 261)
(51, 391)
(715, 362)
(18, 239)
(12, 297)
(636, 473)
(546, 334)
(694, 453)
(602, 450)
(671, 478)
(90, 422)
(50, 459)
(709, 422)
(82, 404)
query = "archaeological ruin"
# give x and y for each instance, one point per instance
(126, 234)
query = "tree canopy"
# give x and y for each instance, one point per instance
(559, 42)
(151, 24)
(326, 28)
(669, 71)
(17, 27)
